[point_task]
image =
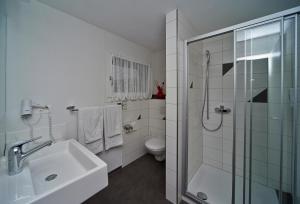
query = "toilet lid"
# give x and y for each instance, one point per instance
(155, 143)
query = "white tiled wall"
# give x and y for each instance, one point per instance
(94, 42)
(158, 67)
(171, 106)
(217, 146)
(178, 29)
(195, 138)
(72, 36)
(58, 131)
(134, 143)
(157, 117)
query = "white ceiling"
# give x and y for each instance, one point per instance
(143, 21)
(140, 21)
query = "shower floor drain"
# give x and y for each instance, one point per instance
(51, 177)
(202, 196)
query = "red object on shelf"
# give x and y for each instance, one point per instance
(160, 92)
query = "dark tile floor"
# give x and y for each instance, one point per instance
(141, 182)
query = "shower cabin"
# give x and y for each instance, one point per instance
(241, 108)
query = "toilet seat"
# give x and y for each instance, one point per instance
(156, 144)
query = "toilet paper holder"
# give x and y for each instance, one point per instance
(128, 128)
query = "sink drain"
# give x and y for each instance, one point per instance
(51, 177)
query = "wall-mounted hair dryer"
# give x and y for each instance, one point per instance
(27, 107)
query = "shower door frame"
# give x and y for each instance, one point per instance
(269, 18)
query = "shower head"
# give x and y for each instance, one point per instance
(207, 53)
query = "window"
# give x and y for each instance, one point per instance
(130, 80)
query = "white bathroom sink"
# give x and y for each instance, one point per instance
(65, 172)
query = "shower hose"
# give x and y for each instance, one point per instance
(206, 98)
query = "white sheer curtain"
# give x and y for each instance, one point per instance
(130, 80)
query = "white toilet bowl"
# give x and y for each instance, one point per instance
(157, 147)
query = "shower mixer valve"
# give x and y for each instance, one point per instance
(222, 109)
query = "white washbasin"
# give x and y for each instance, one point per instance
(65, 172)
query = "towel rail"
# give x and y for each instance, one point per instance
(73, 109)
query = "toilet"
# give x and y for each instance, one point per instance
(156, 147)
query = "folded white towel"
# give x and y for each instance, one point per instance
(91, 128)
(112, 120)
(113, 126)
(115, 141)
(95, 147)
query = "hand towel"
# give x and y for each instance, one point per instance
(91, 128)
(113, 126)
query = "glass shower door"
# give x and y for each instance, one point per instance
(264, 92)
(2, 75)
(296, 141)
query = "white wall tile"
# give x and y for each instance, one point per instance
(215, 82)
(154, 132)
(171, 16)
(156, 103)
(171, 160)
(211, 153)
(171, 79)
(171, 112)
(171, 96)
(157, 123)
(228, 56)
(228, 81)
(215, 58)
(228, 43)
(172, 144)
(159, 114)
(134, 143)
(212, 46)
(171, 45)
(212, 162)
(171, 107)
(171, 193)
(212, 142)
(171, 128)
(171, 62)
(171, 178)
(171, 29)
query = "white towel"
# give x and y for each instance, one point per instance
(113, 126)
(95, 147)
(91, 128)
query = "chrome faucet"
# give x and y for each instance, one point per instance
(16, 156)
